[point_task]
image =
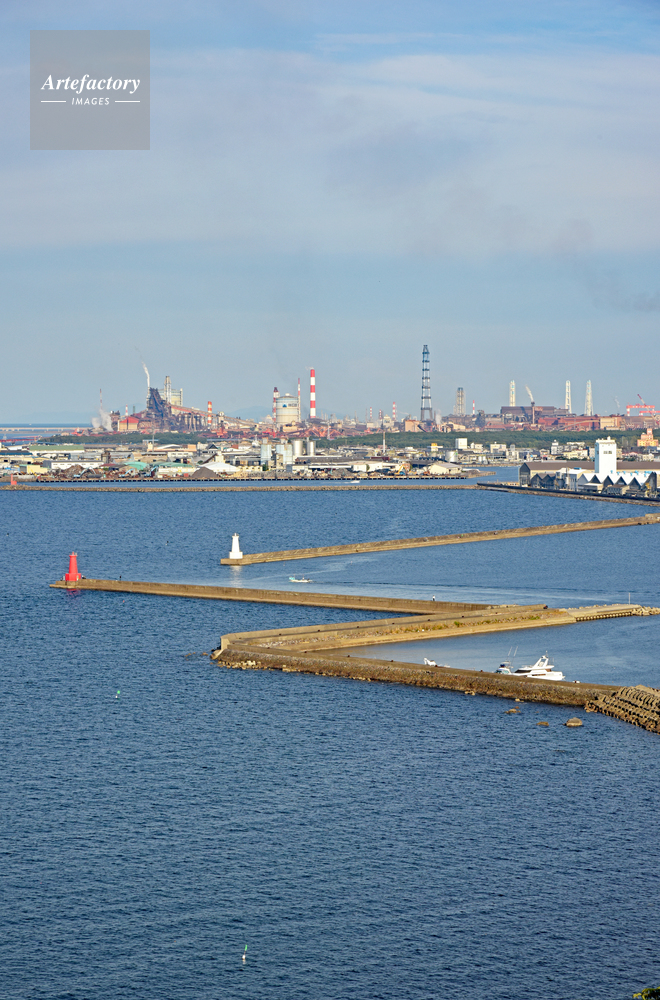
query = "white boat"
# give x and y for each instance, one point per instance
(299, 579)
(543, 669)
(432, 663)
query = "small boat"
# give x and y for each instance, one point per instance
(432, 663)
(299, 579)
(543, 669)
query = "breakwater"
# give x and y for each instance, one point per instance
(445, 678)
(359, 548)
(283, 486)
(568, 494)
(321, 650)
(639, 705)
(443, 624)
(261, 596)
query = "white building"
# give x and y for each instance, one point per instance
(605, 461)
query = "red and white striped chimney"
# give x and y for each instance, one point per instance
(394, 412)
(209, 413)
(312, 395)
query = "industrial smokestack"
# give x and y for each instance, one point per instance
(146, 372)
(275, 398)
(209, 413)
(312, 395)
(394, 412)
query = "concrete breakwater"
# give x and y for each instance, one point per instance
(259, 596)
(443, 624)
(320, 649)
(639, 705)
(358, 548)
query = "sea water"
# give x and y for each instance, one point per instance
(364, 840)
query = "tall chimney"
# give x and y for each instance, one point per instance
(312, 395)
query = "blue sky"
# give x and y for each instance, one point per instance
(332, 185)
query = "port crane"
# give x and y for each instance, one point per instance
(643, 408)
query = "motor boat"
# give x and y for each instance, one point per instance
(299, 579)
(543, 669)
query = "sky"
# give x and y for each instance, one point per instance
(332, 185)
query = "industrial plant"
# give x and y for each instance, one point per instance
(296, 438)
(295, 416)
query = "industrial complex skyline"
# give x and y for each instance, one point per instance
(297, 415)
(332, 185)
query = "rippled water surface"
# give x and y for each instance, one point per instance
(364, 840)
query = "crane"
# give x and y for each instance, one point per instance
(643, 408)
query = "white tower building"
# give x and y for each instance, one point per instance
(512, 393)
(605, 464)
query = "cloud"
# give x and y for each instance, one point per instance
(267, 151)
(608, 291)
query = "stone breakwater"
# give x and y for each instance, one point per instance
(445, 678)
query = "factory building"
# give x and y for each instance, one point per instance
(597, 477)
(160, 415)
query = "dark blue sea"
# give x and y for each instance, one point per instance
(365, 841)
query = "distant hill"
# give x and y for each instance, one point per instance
(251, 412)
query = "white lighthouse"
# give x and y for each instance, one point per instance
(235, 548)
